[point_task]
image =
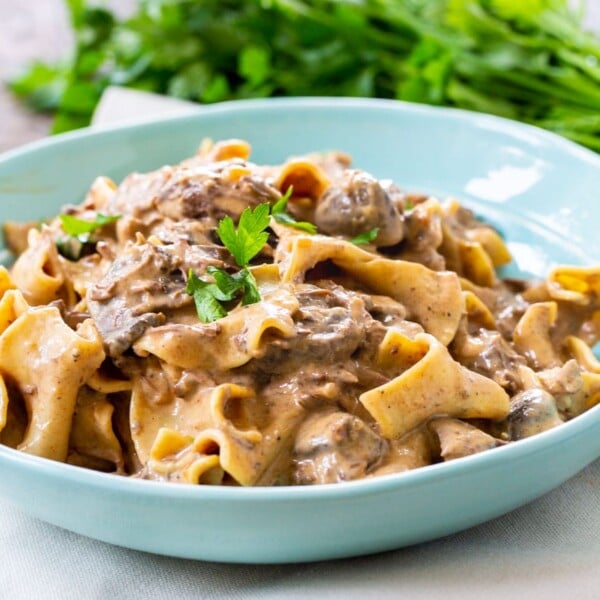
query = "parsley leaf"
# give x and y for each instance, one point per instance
(78, 231)
(365, 238)
(285, 219)
(281, 204)
(248, 239)
(208, 305)
(251, 294)
(70, 247)
(279, 214)
(244, 242)
(227, 284)
(209, 297)
(230, 285)
(79, 227)
(530, 60)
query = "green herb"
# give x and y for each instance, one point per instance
(70, 247)
(210, 298)
(528, 60)
(207, 298)
(230, 285)
(244, 243)
(248, 239)
(79, 227)
(281, 216)
(365, 238)
(79, 234)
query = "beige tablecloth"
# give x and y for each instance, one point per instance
(548, 549)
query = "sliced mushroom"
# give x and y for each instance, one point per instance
(531, 412)
(335, 446)
(359, 205)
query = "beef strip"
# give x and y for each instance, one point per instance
(212, 194)
(328, 362)
(313, 386)
(143, 282)
(330, 326)
(187, 192)
(335, 446)
(489, 354)
(506, 302)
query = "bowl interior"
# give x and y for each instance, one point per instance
(537, 189)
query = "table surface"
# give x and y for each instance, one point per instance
(549, 548)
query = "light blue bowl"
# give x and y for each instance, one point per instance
(538, 189)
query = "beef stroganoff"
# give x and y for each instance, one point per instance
(223, 322)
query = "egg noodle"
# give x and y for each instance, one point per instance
(134, 340)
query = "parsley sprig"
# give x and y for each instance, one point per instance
(81, 228)
(365, 238)
(79, 232)
(244, 243)
(247, 240)
(210, 298)
(522, 59)
(281, 216)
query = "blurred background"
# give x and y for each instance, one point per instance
(33, 30)
(41, 30)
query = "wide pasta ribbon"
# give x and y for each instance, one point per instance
(48, 362)
(435, 385)
(471, 251)
(223, 431)
(93, 441)
(38, 272)
(431, 298)
(230, 343)
(532, 336)
(580, 285)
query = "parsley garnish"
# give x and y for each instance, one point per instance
(248, 239)
(207, 297)
(79, 232)
(230, 285)
(279, 214)
(79, 227)
(365, 238)
(244, 243)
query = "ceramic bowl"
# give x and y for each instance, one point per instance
(539, 190)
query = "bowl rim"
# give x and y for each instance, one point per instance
(525, 132)
(372, 485)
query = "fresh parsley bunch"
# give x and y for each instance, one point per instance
(524, 59)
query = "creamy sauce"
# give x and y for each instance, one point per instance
(358, 360)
